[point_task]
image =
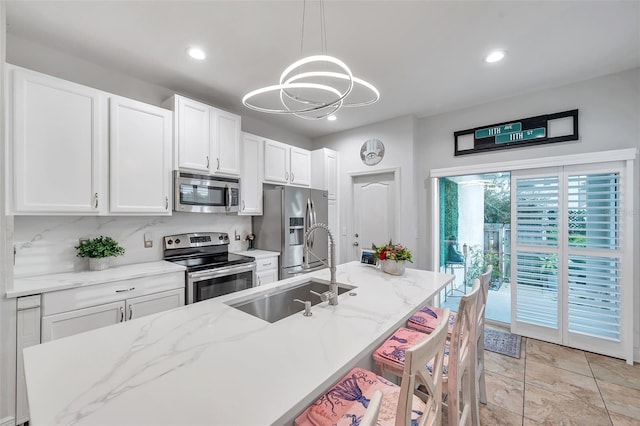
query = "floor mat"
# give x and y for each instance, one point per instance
(502, 342)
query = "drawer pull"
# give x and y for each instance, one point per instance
(266, 264)
(125, 290)
(121, 314)
(130, 311)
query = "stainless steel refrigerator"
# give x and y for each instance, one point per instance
(287, 214)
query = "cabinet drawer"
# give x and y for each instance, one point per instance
(77, 298)
(266, 263)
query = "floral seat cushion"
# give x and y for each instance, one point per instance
(347, 401)
(393, 349)
(428, 318)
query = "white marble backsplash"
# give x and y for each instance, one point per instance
(46, 244)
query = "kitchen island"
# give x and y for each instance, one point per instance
(209, 363)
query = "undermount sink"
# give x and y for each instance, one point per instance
(278, 304)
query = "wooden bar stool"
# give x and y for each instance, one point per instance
(458, 365)
(479, 390)
(351, 400)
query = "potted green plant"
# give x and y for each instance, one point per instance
(392, 257)
(99, 250)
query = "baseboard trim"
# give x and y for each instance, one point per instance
(7, 421)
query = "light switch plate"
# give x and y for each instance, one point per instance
(148, 239)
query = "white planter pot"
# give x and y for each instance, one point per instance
(392, 267)
(99, 263)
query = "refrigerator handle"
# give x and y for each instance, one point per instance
(315, 219)
(309, 222)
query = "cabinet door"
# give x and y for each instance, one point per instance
(69, 323)
(139, 157)
(331, 173)
(57, 142)
(276, 162)
(300, 167)
(226, 142)
(27, 334)
(138, 307)
(194, 134)
(266, 263)
(251, 177)
(266, 277)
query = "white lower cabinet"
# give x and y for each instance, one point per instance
(27, 334)
(146, 305)
(266, 270)
(65, 324)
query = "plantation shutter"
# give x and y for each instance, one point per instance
(572, 285)
(535, 213)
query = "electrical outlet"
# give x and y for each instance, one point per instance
(236, 235)
(148, 239)
(83, 240)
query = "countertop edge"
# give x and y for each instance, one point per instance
(27, 286)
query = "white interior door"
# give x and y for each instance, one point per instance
(374, 211)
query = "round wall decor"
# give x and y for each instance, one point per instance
(372, 152)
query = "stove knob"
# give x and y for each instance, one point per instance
(169, 242)
(226, 238)
(177, 240)
(220, 237)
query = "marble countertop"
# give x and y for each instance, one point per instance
(209, 363)
(258, 254)
(52, 282)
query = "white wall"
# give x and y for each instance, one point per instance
(37, 57)
(609, 119)
(397, 135)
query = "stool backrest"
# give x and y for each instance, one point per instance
(485, 280)
(415, 373)
(370, 417)
(461, 358)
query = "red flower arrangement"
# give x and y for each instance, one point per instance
(391, 251)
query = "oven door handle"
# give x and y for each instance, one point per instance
(221, 272)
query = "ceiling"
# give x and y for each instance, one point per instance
(425, 57)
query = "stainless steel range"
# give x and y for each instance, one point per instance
(211, 270)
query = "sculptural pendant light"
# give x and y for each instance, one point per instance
(313, 87)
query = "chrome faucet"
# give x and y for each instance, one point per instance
(333, 285)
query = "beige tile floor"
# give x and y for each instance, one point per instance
(555, 385)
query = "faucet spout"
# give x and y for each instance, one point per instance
(333, 285)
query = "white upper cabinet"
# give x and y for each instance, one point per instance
(324, 171)
(286, 164)
(139, 157)
(207, 139)
(276, 161)
(300, 167)
(75, 153)
(193, 134)
(57, 132)
(251, 175)
(226, 142)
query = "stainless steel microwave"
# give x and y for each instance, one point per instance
(205, 193)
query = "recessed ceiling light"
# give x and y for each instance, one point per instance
(494, 56)
(196, 53)
(332, 118)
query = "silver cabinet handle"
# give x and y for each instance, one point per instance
(166, 203)
(95, 196)
(207, 161)
(121, 314)
(292, 177)
(257, 285)
(286, 176)
(266, 264)
(242, 205)
(130, 311)
(217, 164)
(125, 290)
